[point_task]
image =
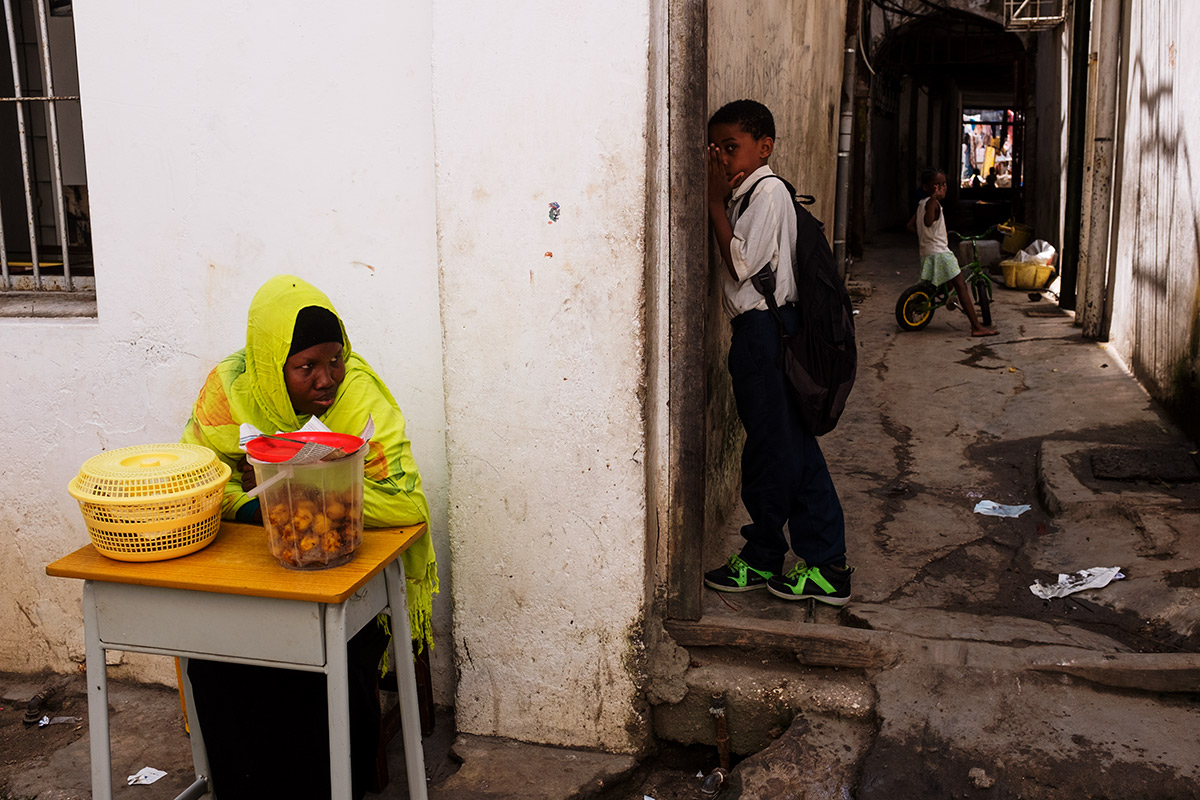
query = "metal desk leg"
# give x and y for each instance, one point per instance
(337, 682)
(97, 679)
(195, 735)
(406, 682)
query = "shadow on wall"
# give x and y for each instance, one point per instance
(1164, 305)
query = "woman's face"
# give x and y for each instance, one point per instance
(313, 377)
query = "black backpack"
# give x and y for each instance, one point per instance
(820, 359)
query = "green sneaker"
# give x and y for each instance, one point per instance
(828, 584)
(737, 576)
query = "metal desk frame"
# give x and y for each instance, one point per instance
(294, 629)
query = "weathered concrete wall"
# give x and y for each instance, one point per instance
(544, 337)
(1156, 295)
(787, 55)
(225, 143)
(225, 146)
(1047, 133)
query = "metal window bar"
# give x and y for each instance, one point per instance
(49, 100)
(55, 154)
(21, 136)
(1033, 14)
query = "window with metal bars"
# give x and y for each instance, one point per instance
(1031, 15)
(45, 233)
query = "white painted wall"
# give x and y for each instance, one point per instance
(538, 103)
(1049, 134)
(226, 142)
(230, 141)
(1156, 295)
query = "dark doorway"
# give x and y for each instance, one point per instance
(949, 92)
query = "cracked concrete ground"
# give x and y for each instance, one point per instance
(939, 421)
(977, 687)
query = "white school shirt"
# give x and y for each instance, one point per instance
(766, 233)
(932, 238)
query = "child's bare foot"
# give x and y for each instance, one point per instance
(984, 332)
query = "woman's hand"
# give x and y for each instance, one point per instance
(249, 481)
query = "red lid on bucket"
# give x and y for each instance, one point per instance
(283, 446)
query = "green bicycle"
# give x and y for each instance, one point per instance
(916, 304)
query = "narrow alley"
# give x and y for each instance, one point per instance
(946, 677)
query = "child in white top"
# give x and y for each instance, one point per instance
(938, 264)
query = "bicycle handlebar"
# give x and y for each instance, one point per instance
(983, 235)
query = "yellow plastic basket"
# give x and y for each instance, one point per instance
(1016, 236)
(1025, 274)
(151, 502)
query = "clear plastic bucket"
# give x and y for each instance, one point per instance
(312, 512)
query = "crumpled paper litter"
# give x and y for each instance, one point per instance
(145, 775)
(44, 721)
(991, 509)
(1093, 578)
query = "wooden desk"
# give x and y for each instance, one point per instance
(232, 601)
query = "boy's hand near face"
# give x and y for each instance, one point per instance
(720, 187)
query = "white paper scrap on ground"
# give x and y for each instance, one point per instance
(44, 721)
(1094, 578)
(996, 510)
(145, 775)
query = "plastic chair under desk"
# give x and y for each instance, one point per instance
(232, 601)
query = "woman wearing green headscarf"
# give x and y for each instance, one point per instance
(298, 363)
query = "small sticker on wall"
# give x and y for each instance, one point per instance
(554, 213)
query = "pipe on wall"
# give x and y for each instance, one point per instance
(1076, 136)
(1094, 240)
(841, 213)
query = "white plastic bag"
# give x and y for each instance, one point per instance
(1039, 251)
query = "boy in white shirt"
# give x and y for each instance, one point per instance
(784, 476)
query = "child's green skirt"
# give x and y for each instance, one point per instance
(939, 268)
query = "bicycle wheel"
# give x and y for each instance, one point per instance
(914, 308)
(983, 297)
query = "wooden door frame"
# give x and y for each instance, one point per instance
(687, 137)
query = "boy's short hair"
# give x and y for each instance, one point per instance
(751, 116)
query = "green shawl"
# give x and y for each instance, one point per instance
(248, 386)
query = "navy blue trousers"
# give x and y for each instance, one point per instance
(784, 476)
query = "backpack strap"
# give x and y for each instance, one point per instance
(764, 279)
(764, 282)
(802, 199)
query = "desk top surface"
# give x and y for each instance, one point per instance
(238, 562)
